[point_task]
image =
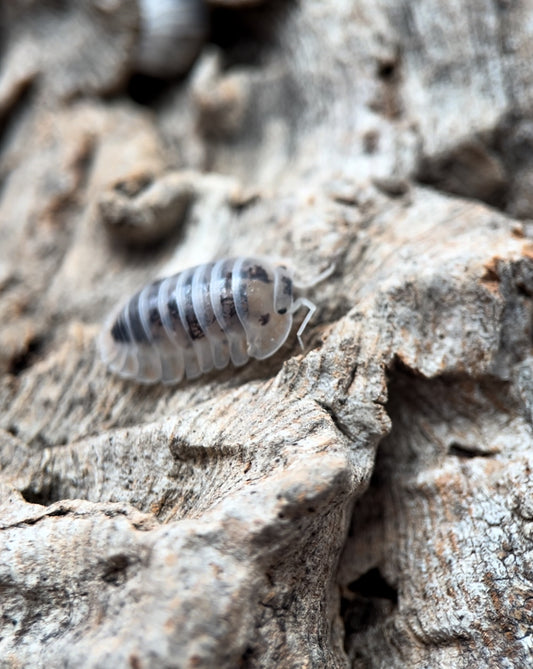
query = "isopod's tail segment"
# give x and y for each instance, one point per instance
(109, 351)
(115, 348)
(124, 344)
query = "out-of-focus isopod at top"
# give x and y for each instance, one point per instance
(172, 32)
(203, 318)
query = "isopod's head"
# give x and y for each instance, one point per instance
(172, 32)
(264, 304)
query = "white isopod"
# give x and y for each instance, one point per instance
(172, 33)
(203, 317)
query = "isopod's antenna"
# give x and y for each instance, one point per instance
(304, 302)
(305, 285)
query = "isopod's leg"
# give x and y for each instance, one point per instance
(303, 302)
(130, 366)
(119, 360)
(238, 350)
(172, 364)
(317, 279)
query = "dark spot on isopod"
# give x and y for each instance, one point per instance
(287, 285)
(137, 329)
(228, 307)
(154, 317)
(119, 331)
(194, 328)
(264, 318)
(258, 273)
(210, 317)
(173, 309)
(242, 297)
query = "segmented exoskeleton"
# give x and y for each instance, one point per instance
(202, 318)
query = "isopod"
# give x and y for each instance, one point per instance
(172, 33)
(203, 317)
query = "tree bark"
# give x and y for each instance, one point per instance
(365, 502)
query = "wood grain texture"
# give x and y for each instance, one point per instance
(362, 503)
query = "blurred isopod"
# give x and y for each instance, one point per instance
(172, 33)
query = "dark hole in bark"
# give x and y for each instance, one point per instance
(245, 33)
(145, 90)
(386, 70)
(372, 585)
(472, 169)
(16, 111)
(45, 494)
(26, 358)
(466, 451)
(115, 569)
(372, 601)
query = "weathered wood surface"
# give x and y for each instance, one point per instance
(364, 503)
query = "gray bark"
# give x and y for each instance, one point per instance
(363, 503)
